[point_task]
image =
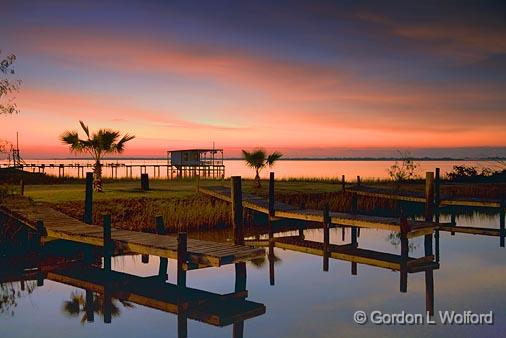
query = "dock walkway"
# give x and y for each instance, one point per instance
(286, 211)
(61, 226)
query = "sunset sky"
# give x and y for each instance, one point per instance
(315, 78)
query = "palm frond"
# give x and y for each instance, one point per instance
(255, 158)
(71, 138)
(273, 158)
(85, 128)
(120, 146)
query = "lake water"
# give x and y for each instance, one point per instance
(283, 169)
(304, 301)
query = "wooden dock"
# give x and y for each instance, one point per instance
(419, 197)
(60, 226)
(286, 211)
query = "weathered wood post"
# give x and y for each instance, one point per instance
(429, 196)
(107, 244)
(271, 195)
(404, 254)
(453, 217)
(358, 180)
(343, 184)
(271, 258)
(437, 193)
(326, 237)
(164, 262)
(41, 233)
(502, 229)
(429, 280)
(107, 308)
(354, 203)
(237, 212)
(182, 253)
(144, 182)
(90, 311)
(88, 199)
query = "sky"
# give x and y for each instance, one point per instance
(309, 78)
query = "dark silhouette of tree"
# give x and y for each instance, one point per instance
(8, 86)
(104, 141)
(258, 159)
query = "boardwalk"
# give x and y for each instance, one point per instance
(61, 226)
(283, 210)
(419, 197)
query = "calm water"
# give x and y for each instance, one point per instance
(305, 301)
(283, 169)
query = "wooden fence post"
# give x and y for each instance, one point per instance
(182, 253)
(88, 199)
(144, 182)
(429, 196)
(326, 237)
(107, 244)
(502, 228)
(343, 184)
(404, 254)
(164, 262)
(237, 216)
(271, 195)
(437, 193)
(358, 180)
(41, 233)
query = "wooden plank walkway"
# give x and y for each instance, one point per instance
(61, 226)
(350, 253)
(286, 211)
(419, 197)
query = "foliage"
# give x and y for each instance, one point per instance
(8, 86)
(404, 170)
(258, 159)
(104, 141)
(466, 173)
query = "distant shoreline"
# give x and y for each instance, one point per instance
(421, 159)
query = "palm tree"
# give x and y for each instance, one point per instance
(258, 159)
(105, 141)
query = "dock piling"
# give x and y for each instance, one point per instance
(88, 199)
(437, 194)
(107, 245)
(271, 195)
(144, 182)
(429, 196)
(326, 237)
(237, 212)
(182, 251)
(502, 228)
(404, 255)
(343, 183)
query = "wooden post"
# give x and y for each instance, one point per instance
(404, 255)
(429, 196)
(271, 258)
(144, 182)
(182, 253)
(453, 217)
(354, 203)
(107, 307)
(88, 199)
(358, 180)
(326, 237)
(107, 244)
(41, 233)
(145, 259)
(502, 228)
(429, 279)
(436, 241)
(90, 311)
(343, 184)
(437, 194)
(237, 218)
(354, 240)
(271, 195)
(240, 285)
